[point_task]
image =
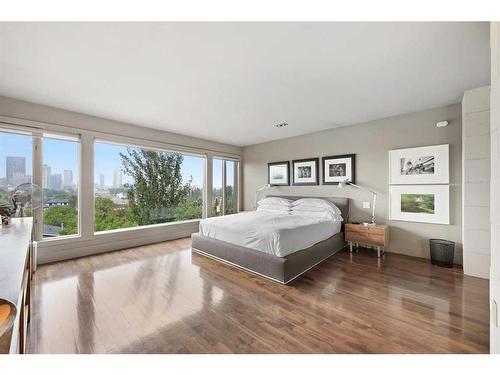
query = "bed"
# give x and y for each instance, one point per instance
(280, 248)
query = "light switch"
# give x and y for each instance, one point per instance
(366, 204)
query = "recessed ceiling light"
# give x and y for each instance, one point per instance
(442, 124)
(282, 125)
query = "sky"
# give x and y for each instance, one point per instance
(61, 155)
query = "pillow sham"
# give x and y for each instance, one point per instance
(318, 214)
(277, 207)
(275, 201)
(265, 208)
(316, 202)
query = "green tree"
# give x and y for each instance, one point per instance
(189, 210)
(62, 216)
(158, 188)
(108, 217)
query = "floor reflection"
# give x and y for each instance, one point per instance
(164, 299)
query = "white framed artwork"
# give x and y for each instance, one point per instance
(419, 165)
(420, 203)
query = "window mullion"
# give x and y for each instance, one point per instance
(87, 186)
(223, 204)
(36, 179)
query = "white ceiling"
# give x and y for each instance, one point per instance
(231, 82)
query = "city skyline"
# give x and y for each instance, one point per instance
(107, 160)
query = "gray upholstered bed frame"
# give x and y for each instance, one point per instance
(280, 269)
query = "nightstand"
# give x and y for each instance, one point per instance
(375, 235)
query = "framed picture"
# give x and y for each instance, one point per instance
(305, 172)
(278, 173)
(419, 165)
(420, 203)
(338, 168)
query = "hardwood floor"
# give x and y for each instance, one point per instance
(163, 299)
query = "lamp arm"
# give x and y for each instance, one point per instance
(362, 188)
(374, 201)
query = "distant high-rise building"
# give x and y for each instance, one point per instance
(117, 179)
(102, 181)
(15, 167)
(55, 181)
(68, 178)
(45, 176)
(19, 178)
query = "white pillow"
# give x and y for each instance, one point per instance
(318, 214)
(265, 208)
(277, 207)
(317, 203)
(275, 201)
(315, 209)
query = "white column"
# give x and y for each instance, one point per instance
(476, 182)
(495, 189)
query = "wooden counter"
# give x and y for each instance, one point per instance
(16, 270)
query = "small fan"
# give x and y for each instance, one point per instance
(25, 197)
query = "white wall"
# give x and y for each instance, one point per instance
(371, 143)
(476, 182)
(495, 186)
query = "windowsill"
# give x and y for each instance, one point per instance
(59, 238)
(130, 229)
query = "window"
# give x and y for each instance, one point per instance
(136, 187)
(60, 182)
(225, 194)
(15, 165)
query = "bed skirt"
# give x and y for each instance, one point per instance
(281, 269)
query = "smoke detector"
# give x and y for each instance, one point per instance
(281, 125)
(442, 124)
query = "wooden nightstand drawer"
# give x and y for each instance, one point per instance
(365, 229)
(366, 238)
(376, 235)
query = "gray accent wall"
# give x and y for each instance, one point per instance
(476, 181)
(371, 143)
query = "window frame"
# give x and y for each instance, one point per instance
(236, 183)
(149, 147)
(37, 135)
(87, 242)
(62, 137)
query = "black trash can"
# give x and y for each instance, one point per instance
(442, 252)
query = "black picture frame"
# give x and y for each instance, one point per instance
(316, 165)
(346, 156)
(269, 165)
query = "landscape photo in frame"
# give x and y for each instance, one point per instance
(420, 203)
(278, 173)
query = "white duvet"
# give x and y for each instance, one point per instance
(273, 233)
